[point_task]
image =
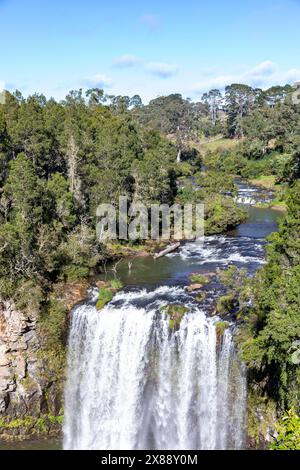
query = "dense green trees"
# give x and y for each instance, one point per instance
(58, 162)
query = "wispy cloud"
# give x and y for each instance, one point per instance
(262, 75)
(160, 69)
(163, 70)
(127, 61)
(98, 80)
(151, 21)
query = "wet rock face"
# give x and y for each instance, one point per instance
(20, 387)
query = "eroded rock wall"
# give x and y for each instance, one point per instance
(27, 393)
(20, 388)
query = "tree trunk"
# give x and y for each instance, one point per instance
(167, 250)
(178, 156)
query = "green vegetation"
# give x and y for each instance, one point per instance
(59, 161)
(218, 145)
(268, 307)
(288, 430)
(261, 418)
(225, 304)
(216, 191)
(199, 278)
(221, 327)
(45, 424)
(107, 291)
(267, 182)
(272, 326)
(116, 284)
(201, 297)
(175, 314)
(104, 297)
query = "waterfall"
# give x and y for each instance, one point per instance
(133, 384)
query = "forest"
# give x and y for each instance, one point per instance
(60, 160)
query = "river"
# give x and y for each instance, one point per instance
(134, 385)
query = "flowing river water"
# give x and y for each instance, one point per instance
(131, 383)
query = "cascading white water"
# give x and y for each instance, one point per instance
(134, 385)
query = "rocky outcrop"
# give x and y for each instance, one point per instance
(31, 372)
(20, 387)
(27, 396)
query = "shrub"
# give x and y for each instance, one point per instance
(105, 296)
(288, 430)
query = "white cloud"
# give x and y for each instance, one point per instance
(126, 61)
(292, 76)
(163, 70)
(258, 75)
(97, 81)
(262, 75)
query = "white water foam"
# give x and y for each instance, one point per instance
(132, 384)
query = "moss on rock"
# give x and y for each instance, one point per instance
(261, 420)
(201, 296)
(104, 297)
(175, 314)
(221, 327)
(196, 278)
(31, 426)
(107, 291)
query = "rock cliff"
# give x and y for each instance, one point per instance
(31, 376)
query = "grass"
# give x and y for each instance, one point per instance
(276, 204)
(222, 144)
(104, 297)
(267, 182)
(279, 205)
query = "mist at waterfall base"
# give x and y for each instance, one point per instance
(132, 384)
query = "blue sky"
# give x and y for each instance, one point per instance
(147, 47)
